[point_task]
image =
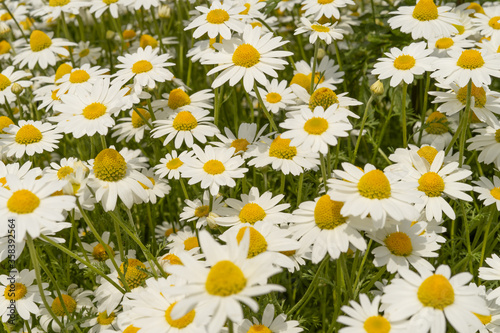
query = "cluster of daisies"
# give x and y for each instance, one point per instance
(179, 164)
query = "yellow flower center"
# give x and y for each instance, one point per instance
(172, 259)
(19, 292)
(214, 167)
(316, 126)
(168, 232)
(399, 244)
(178, 98)
(151, 179)
(494, 22)
(225, 279)
(85, 52)
(251, 213)
(273, 97)
(129, 34)
(148, 40)
(259, 329)
(246, 56)
(184, 121)
(444, 43)
(305, 80)
(131, 329)
(280, 148)
(428, 153)
(174, 163)
(99, 252)
(479, 95)
(484, 319)
(431, 184)
(64, 171)
(258, 243)
(495, 193)
(6, 17)
(374, 185)
(470, 59)
(377, 324)
(436, 123)
(202, 211)
(327, 213)
(217, 16)
(54, 95)
(4, 47)
(436, 291)
(497, 135)
(142, 66)
(191, 243)
(104, 319)
(79, 76)
(404, 62)
(28, 134)
(62, 70)
(69, 303)
(58, 3)
(425, 10)
(4, 82)
(288, 253)
(182, 322)
(134, 272)
(320, 28)
(5, 122)
(324, 97)
(476, 7)
(325, 2)
(137, 120)
(240, 145)
(110, 166)
(94, 110)
(247, 9)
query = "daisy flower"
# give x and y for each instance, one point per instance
(326, 32)
(95, 252)
(199, 210)
(225, 279)
(170, 164)
(277, 324)
(145, 66)
(491, 46)
(183, 240)
(404, 64)
(213, 167)
(326, 74)
(24, 295)
(320, 224)
(133, 126)
(185, 125)
(164, 230)
(7, 78)
(462, 66)
(56, 8)
(219, 19)
(98, 7)
(254, 207)
(13, 12)
(276, 95)
(364, 317)
(29, 137)
(436, 130)
(316, 129)
(490, 323)
(159, 189)
(372, 191)
(283, 156)
(248, 59)
(489, 192)
(492, 273)
(20, 171)
(431, 299)
(102, 322)
(178, 99)
(325, 8)
(244, 142)
(86, 54)
(425, 19)
(88, 113)
(488, 22)
(63, 170)
(403, 245)
(487, 141)
(80, 80)
(441, 46)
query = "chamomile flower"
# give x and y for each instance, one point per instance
(80, 80)
(30, 138)
(199, 210)
(372, 191)
(170, 164)
(96, 252)
(178, 100)
(213, 167)
(7, 78)
(133, 126)
(225, 279)
(488, 23)
(326, 32)
(492, 273)
(184, 126)
(430, 299)
(317, 129)
(86, 54)
(326, 74)
(320, 224)
(145, 66)
(273, 324)
(487, 141)
(402, 65)
(98, 7)
(248, 59)
(42, 50)
(245, 140)
(219, 19)
(436, 131)
(489, 192)
(276, 96)
(55, 8)
(102, 322)
(404, 245)
(283, 156)
(159, 187)
(425, 19)
(325, 8)
(164, 230)
(463, 66)
(254, 207)
(491, 46)
(441, 46)
(20, 171)
(185, 240)
(62, 170)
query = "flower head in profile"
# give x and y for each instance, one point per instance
(326, 32)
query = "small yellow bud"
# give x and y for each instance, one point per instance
(164, 11)
(377, 88)
(16, 89)
(110, 34)
(321, 53)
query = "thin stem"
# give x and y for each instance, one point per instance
(363, 121)
(339, 60)
(465, 124)
(15, 20)
(283, 180)
(424, 107)
(323, 169)
(299, 193)
(403, 114)
(315, 60)
(486, 232)
(263, 106)
(358, 274)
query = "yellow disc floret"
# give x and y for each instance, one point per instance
(39, 41)
(374, 185)
(273, 98)
(104, 319)
(240, 145)
(83, 53)
(79, 76)
(184, 121)
(404, 62)
(377, 324)
(444, 43)
(246, 56)
(251, 213)
(497, 135)
(18, 293)
(69, 303)
(214, 167)
(94, 111)
(257, 328)
(4, 47)
(470, 59)
(190, 243)
(316, 126)
(62, 70)
(178, 98)
(174, 163)
(495, 193)
(99, 252)
(134, 272)
(320, 28)
(110, 166)
(399, 244)
(182, 322)
(137, 120)
(5, 122)
(172, 259)
(217, 16)
(225, 279)
(431, 184)
(428, 153)
(142, 66)
(58, 3)
(28, 134)
(64, 171)
(202, 211)
(148, 40)
(436, 123)
(425, 10)
(494, 22)
(327, 213)
(258, 243)
(484, 319)
(479, 95)
(4, 82)
(324, 97)
(131, 329)
(436, 291)
(280, 148)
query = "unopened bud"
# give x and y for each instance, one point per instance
(16, 89)
(321, 53)
(164, 11)
(4, 28)
(211, 220)
(110, 34)
(377, 88)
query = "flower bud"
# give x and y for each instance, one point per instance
(110, 34)
(164, 11)
(377, 88)
(16, 89)
(321, 53)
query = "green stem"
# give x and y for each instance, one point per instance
(15, 20)
(358, 274)
(493, 213)
(339, 60)
(424, 107)
(299, 193)
(363, 121)
(323, 169)
(465, 124)
(403, 114)
(263, 106)
(283, 180)
(315, 60)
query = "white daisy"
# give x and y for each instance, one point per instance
(86, 54)
(487, 141)
(178, 99)
(199, 210)
(95, 252)
(80, 80)
(53, 10)
(277, 324)
(436, 130)
(7, 78)
(489, 192)
(98, 7)
(244, 142)
(164, 230)
(276, 96)
(488, 22)
(326, 74)
(326, 32)
(133, 126)
(441, 46)
(327, 8)
(170, 164)
(492, 273)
